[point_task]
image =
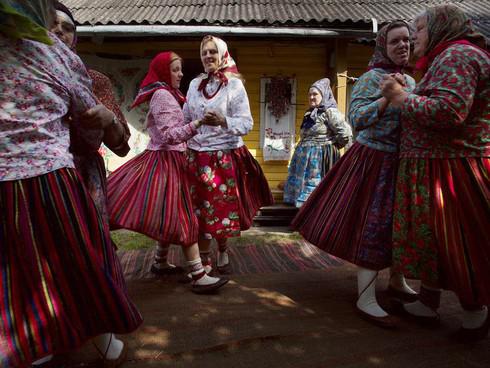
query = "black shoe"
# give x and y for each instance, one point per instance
(388, 322)
(401, 295)
(225, 270)
(167, 271)
(208, 289)
(399, 308)
(469, 335)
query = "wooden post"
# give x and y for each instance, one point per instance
(341, 73)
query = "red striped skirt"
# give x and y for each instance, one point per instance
(150, 195)
(349, 214)
(228, 188)
(60, 280)
(441, 224)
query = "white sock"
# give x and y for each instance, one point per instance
(109, 345)
(398, 282)
(43, 360)
(223, 259)
(366, 287)
(474, 319)
(197, 269)
(419, 309)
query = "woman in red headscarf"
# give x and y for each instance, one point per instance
(150, 193)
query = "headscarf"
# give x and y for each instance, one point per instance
(158, 77)
(26, 19)
(328, 101)
(60, 8)
(226, 64)
(380, 57)
(448, 25)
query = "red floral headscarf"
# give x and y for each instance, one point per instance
(158, 77)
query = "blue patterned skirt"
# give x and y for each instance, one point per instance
(310, 162)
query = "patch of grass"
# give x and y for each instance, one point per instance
(129, 240)
(264, 238)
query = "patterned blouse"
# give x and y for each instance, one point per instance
(232, 101)
(448, 114)
(39, 85)
(102, 89)
(378, 132)
(329, 127)
(165, 123)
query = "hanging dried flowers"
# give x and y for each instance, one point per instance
(278, 96)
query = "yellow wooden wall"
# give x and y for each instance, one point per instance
(305, 60)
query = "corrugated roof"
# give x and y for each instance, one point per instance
(295, 13)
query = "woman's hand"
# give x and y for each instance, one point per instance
(98, 117)
(392, 89)
(214, 118)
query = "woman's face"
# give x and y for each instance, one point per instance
(420, 37)
(209, 57)
(176, 73)
(398, 45)
(63, 29)
(314, 97)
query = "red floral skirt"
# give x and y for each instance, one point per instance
(441, 224)
(227, 188)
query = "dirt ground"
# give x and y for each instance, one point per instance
(297, 319)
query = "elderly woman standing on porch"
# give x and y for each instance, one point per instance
(442, 209)
(349, 215)
(323, 131)
(228, 185)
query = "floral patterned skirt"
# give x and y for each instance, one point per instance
(441, 224)
(349, 215)
(227, 188)
(310, 162)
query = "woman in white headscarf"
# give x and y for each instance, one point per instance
(228, 185)
(323, 131)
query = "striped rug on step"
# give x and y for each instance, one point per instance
(288, 256)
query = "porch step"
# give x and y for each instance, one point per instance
(276, 215)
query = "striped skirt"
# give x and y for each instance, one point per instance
(441, 224)
(150, 195)
(309, 165)
(60, 279)
(228, 188)
(349, 215)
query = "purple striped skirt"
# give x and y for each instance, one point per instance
(350, 213)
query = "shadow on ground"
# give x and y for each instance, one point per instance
(296, 319)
